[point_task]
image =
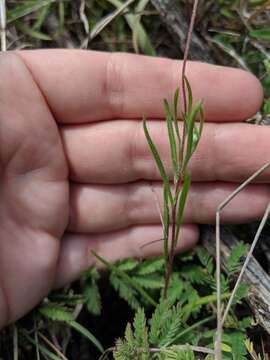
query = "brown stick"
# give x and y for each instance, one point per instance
(172, 15)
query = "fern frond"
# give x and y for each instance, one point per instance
(206, 259)
(135, 345)
(172, 327)
(150, 282)
(56, 312)
(236, 340)
(139, 325)
(151, 266)
(127, 264)
(195, 274)
(235, 259)
(241, 293)
(125, 291)
(93, 299)
(176, 288)
(141, 334)
(159, 316)
(91, 291)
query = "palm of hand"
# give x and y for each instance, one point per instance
(39, 201)
(34, 193)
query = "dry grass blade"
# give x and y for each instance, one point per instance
(3, 25)
(83, 17)
(52, 346)
(199, 349)
(220, 320)
(108, 19)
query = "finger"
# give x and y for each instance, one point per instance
(120, 206)
(85, 86)
(227, 152)
(76, 255)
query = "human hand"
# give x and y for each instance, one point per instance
(77, 173)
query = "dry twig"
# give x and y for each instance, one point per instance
(3, 25)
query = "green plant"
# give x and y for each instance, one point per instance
(182, 147)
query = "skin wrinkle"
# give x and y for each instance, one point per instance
(35, 81)
(129, 205)
(36, 84)
(133, 152)
(214, 156)
(136, 203)
(114, 85)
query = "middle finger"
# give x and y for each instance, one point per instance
(114, 152)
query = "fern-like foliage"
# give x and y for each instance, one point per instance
(91, 291)
(135, 345)
(139, 342)
(56, 312)
(168, 328)
(235, 259)
(148, 274)
(236, 340)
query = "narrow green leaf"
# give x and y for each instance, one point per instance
(262, 34)
(26, 9)
(169, 123)
(86, 333)
(182, 203)
(197, 133)
(190, 121)
(158, 161)
(175, 116)
(61, 15)
(41, 17)
(30, 31)
(143, 39)
(136, 29)
(190, 97)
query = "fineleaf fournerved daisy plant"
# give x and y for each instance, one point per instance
(182, 146)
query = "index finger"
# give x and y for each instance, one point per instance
(85, 86)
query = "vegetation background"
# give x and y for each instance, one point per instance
(71, 324)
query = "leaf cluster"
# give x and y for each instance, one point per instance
(152, 340)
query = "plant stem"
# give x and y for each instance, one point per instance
(181, 175)
(186, 52)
